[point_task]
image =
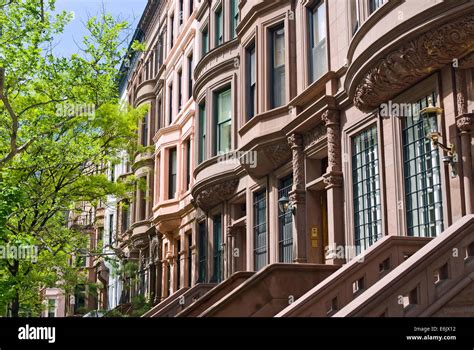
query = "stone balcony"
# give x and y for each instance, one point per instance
(402, 43)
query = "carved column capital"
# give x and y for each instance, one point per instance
(333, 179)
(298, 196)
(331, 118)
(295, 141)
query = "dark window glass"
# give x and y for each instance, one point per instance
(223, 122)
(285, 223)
(278, 80)
(260, 229)
(172, 169)
(251, 82)
(219, 26)
(202, 252)
(217, 230)
(202, 133)
(317, 40)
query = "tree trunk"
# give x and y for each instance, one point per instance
(16, 299)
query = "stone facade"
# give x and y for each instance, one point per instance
(299, 86)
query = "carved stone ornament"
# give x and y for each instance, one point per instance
(465, 122)
(333, 179)
(313, 136)
(155, 249)
(413, 61)
(216, 193)
(332, 121)
(296, 144)
(277, 153)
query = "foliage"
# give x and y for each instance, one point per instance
(61, 123)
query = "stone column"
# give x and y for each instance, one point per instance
(465, 124)
(298, 198)
(334, 186)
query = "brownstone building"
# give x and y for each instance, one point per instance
(305, 158)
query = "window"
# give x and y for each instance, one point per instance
(277, 67)
(355, 15)
(159, 111)
(181, 12)
(205, 41)
(171, 31)
(375, 4)
(125, 215)
(234, 21)
(112, 172)
(100, 237)
(366, 189)
(111, 228)
(141, 192)
(202, 252)
(217, 230)
(180, 90)
(285, 223)
(202, 132)
(190, 76)
(260, 229)
(170, 104)
(178, 264)
(219, 26)
(51, 307)
(190, 259)
(191, 7)
(251, 82)
(168, 274)
(223, 122)
(145, 131)
(188, 164)
(317, 40)
(160, 50)
(172, 173)
(424, 207)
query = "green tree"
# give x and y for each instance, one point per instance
(61, 123)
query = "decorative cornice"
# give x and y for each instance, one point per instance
(413, 61)
(278, 153)
(216, 193)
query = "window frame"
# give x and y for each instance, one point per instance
(273, 69)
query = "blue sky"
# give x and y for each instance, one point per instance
(129, 10)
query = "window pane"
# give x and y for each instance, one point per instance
(366, 189)
(285, 223)
(223, 121)
(422, 174)
(318, 59)
(278, 67)
(202, 132)
(219, 26)
(217, 249)
(260, 230)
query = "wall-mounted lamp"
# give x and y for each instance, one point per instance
(431, 113)
(285, 205)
